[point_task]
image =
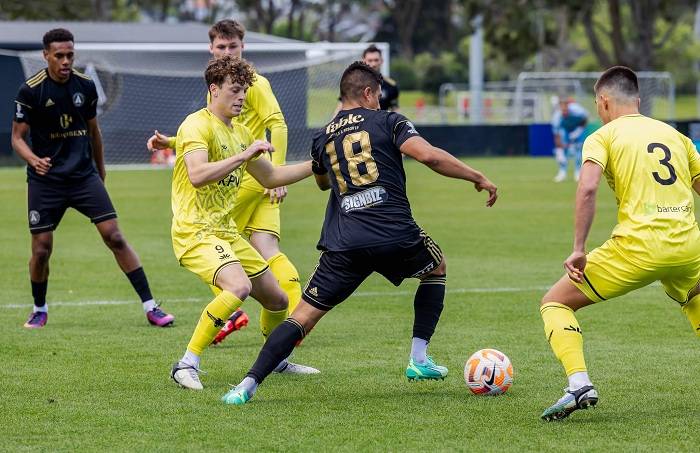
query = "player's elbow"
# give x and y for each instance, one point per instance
(197, 180)
(587, 190)
(430, 159)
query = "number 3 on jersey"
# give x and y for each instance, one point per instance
(666, 162)
(354, 160)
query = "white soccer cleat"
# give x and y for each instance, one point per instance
(295, 368)
(186, 376)
(560, 177)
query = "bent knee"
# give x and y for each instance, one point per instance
(240, 289)
(441, 268)
(115, 240)
(278, 302)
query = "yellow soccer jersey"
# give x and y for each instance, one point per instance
(651, 168)
(260, 113)
(207, 209)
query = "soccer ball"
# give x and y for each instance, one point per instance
(488, 372)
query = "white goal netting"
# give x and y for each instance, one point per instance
(532, 97)
(144, 88)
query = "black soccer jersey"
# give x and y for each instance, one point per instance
(389, 99)
(57, 114)
(359, 150)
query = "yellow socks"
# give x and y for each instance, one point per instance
(212, 320)
(564, 336)
(271, 319)
(288, 278)
(691, 310)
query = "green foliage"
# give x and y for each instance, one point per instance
(403, 71)
(96, 378)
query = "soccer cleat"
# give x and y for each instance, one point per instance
(560, 177)
(425, 371)
(186, 376)
(295, 368)
(238, 320)
(237, 396)
(158, 317)
(577, 175)
(37, 320)
(572, 400)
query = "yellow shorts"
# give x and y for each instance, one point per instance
(610, 274)
(254, 212)
(212, 253)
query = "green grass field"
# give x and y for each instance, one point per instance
(97, 377)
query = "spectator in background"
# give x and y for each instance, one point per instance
(389, 98)
(568, 126)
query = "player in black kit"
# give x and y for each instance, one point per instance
(368, 226)
(65, 168)
(389, 97)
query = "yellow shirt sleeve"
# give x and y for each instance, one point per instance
(263, 101)
(596, 149)
(193, 135)
(693, 158)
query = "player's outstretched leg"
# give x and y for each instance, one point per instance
(42, 244)
(566, 340)
(427, 304)
(131, 266)
(279, 345)
(274, 302)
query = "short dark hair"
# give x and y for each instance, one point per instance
(356, 78)
(371, 49)
(227, 29)
(620, 79)
(57, 35)
(238, 69)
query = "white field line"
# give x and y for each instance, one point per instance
(89, 303)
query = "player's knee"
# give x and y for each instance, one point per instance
(278, 302)
(441, 268)
(41, 251)
(115, 240)
(240, 289)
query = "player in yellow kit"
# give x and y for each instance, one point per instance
(212, 154)
(653, 170)
(257, 212)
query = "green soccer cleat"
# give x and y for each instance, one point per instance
(237, 395)
(582, 398)
(428, 370)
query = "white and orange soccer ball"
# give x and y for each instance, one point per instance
(488, 372)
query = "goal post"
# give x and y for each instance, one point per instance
(657, 93)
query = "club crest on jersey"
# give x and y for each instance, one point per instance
(65, 120)
(34, 217)
(361, 200)
(344, 121)
(78, 99)
(19, 115)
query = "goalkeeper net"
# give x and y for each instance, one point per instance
(535, 93)
(146, 87)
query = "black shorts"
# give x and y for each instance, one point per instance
(338, 274)
(48, 202)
